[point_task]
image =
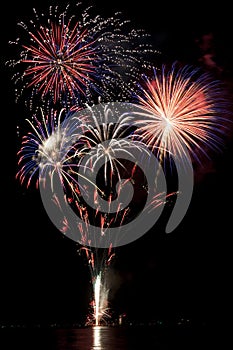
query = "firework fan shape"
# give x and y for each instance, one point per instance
(50, 148)
(104, 139)
(67, 59)
(99, 263)
(184, 109)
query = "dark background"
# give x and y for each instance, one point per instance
(184, 274)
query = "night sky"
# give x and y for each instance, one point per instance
(183, 274)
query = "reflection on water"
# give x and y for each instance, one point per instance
(96, 338)
(104, 338)
(93, 338)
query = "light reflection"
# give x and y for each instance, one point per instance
(97, 338)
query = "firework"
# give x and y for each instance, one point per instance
(50, 148)
(53, 150)
(70, 58)
(183, 109)
(106, 141)
(100, 312)
(98, 301)
(98, 260)
(72, 148)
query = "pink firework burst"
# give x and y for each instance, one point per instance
(60, 60)
(183, 109)
(69, 60)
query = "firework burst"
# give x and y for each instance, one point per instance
(105, 140)
(68, 59)
(183, 108)
(50, 148)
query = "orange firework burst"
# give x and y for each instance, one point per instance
(183, 109)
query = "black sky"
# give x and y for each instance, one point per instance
(186, 273)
